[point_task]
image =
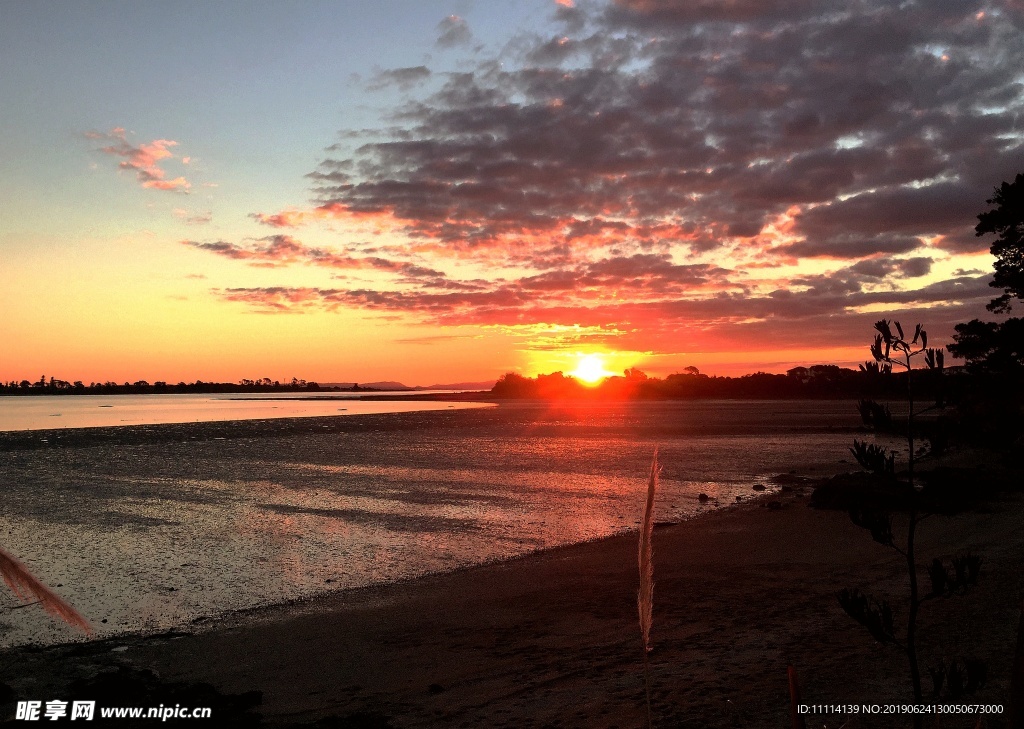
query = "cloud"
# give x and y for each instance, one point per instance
(933, 209)
(435, 339)
(642, 165)
(193, 218)
(658, 13)
(881, 268)
(453, 31)
(708, 120)
(371, 223)
(143, 159)
(845, 245)
(277, 251)
(658, 293)
(782, 318)
(273, 250)
(403, 78)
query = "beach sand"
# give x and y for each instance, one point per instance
(551, 640)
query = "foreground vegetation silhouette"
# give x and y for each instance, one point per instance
(1006, 221)
(890, 492)
(988, 406)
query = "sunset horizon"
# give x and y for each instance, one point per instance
(568, 364)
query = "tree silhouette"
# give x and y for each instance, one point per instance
(1007, 222)
(990, 348)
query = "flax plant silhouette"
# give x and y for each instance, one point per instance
(893, 349)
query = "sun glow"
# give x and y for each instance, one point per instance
(590, 369)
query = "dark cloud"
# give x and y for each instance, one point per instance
(875, 120)
(842, 245)
(572, 18)
(659, 13)
(929, 210)
(403, 78)
(882, 268)
(453, 31)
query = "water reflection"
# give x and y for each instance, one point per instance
(98, 411)
(158, 535)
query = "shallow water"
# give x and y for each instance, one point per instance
(43, 412)
(162, 534)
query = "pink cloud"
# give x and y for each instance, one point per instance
(283, 250)
(296, 217)
(143, 159)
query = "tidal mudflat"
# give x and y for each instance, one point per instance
(150, 528)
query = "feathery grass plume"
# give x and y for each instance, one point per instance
(796, 719)
(25, 585)
(645, 595)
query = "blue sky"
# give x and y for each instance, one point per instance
(254, 91)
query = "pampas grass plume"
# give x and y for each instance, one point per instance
(796, 719)
(645, 596)
(26, 586)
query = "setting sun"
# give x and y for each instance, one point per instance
(590, 369)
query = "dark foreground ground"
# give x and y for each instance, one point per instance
(551, 639)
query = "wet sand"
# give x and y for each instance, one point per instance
(152, 528)
(552, 640)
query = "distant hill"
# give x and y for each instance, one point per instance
(391, 385)
(461, 386)
(388, 385)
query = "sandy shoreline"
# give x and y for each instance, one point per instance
(520, 416)
(551, 639)
(18, 440)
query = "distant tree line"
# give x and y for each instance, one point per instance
(815, 382)
(54, 386)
